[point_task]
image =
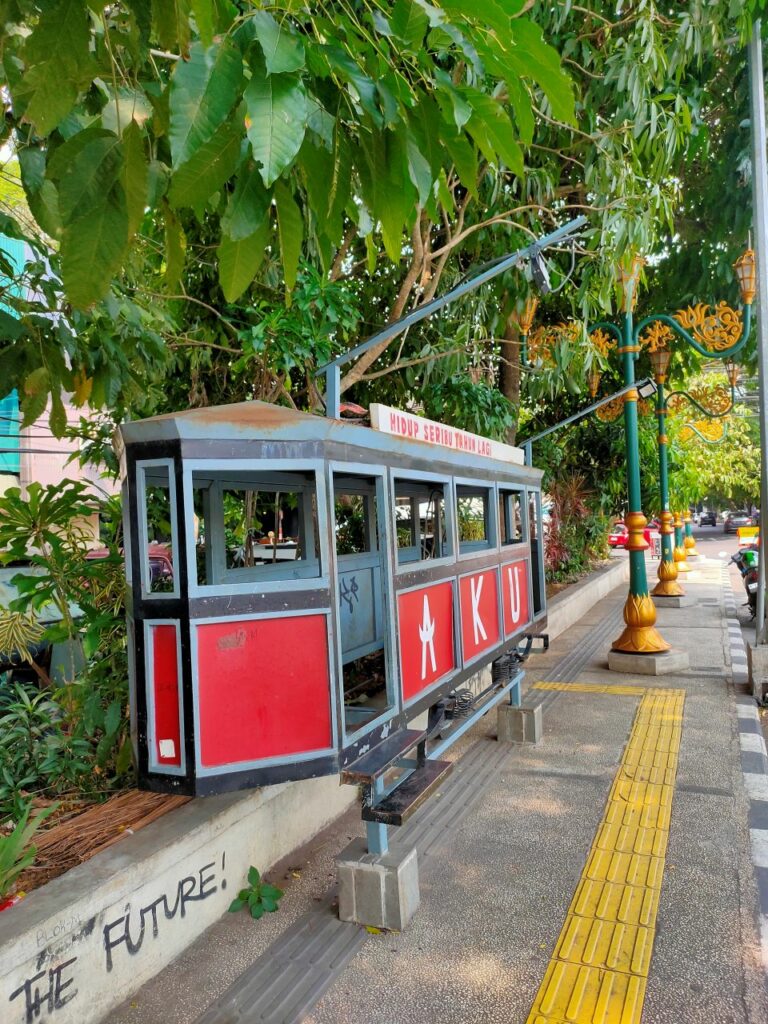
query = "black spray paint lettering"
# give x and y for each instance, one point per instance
(36, 996)
(190, 889)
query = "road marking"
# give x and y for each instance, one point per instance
(599, 969)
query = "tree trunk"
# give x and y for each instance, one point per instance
(509, 375)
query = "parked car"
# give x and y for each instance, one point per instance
(619, 535)
(708, 518)
(736, 520)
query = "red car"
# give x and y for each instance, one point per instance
(619, 535)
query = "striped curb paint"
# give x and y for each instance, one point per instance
(754, 758)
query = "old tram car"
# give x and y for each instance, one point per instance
(331, 583)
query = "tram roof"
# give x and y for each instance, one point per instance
(262, 421)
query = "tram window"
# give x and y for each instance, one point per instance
(420, 520)
(354, 517)
(253, 526)
(511, 517)
(158, 529)
(537, 553)
(366, 678)
(473, 512)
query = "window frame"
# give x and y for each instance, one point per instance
(312, 576)
(386, 538)
(491, 543)
(505, 492)
(419, 477)
(145, 572)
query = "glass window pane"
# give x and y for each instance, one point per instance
(510, 516)
(420, 520)
(158, 531)
(473, 515)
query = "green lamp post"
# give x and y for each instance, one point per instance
(639, 635)
(660, 355)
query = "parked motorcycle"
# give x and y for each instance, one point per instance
(746, 561)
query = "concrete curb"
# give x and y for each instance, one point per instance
(754, 760)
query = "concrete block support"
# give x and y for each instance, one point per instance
(661, 601)
(383, 891)
(664, 664)
(519, 725)
(757, 662)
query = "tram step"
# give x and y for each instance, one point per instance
(402, 802)
(383, 756)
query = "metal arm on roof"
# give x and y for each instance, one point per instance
(332, 370)
(528, 444)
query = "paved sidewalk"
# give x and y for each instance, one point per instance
(645, 802)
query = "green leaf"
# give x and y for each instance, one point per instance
(135, 177)
(58, 62)
(239, 260)
(236, 905)
(203, 91)
(253, 876)
(257, 911)
(532, 56)
(291, 229)
(171, 22)
(387, 190)
(58, 415)
(491, 129)
(175, 248)
(521, 104)
(204, 19)
(208, 169)
(41, 193)
(89, 169)
(93, 207)
(247, 207)
(409, 23)
(271, 892)
(34, 395)
(268, 904)
(283, 50)
(464, 158)
(113, 717)
(276, 120)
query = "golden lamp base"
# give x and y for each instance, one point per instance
(690, 547)
(640, 635)
(667, 585)
(680, 562)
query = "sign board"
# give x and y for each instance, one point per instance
(416, 428)
(748, 534)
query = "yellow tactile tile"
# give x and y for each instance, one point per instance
(598, 971)
(609, 944)
(625, 868)
(576, 994)
(610, 901)
(635, 816)
(651, 842)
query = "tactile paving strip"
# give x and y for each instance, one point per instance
(599, 968)
(577, 659)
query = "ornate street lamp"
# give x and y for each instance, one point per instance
(660, 355)
(720, 333)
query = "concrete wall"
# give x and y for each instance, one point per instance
(76, 948)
